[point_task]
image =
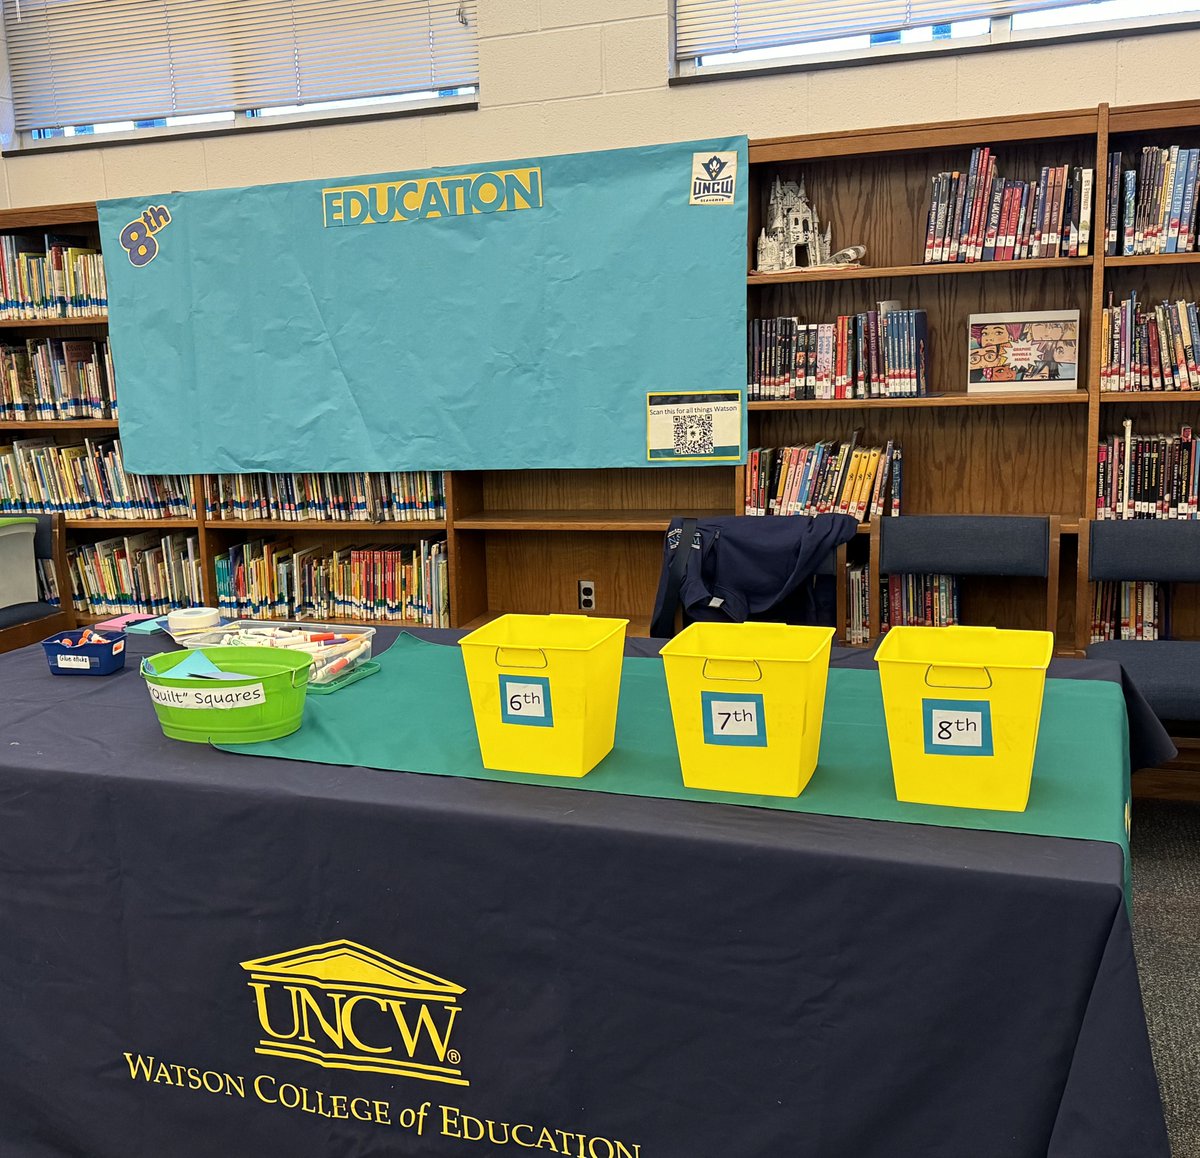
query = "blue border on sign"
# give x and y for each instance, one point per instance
(509, 717)
(933, 748)
(758, 740)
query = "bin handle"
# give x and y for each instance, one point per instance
(958, 676)
(746, 670)
(297, 671)
(521, 657)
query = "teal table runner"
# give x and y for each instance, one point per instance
(415, 716)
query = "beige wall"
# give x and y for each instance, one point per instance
(555, 79)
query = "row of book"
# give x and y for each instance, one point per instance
(403, 584)
(147, 572)
(858, 608)
(47, 581)
(1148, 476)
(384, 497)
(918, 601)
(1150, 347)
(904, 600)
(1134, 609)
(87, 480)
(51, 276)
(881, 353)
(56, 378)
(829, 476)
(1152, 207)
(977, 215)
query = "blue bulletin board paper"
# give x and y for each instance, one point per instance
(504, 315)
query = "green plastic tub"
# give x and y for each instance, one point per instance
(262, 701)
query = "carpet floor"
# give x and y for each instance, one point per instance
(1165, 844)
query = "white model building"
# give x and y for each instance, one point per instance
(792, 238)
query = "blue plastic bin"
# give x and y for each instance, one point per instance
(97, 659)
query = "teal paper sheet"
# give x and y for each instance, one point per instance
(503, 320)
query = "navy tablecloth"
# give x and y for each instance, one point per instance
(205, 954)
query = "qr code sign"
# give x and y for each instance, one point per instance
(693, 433)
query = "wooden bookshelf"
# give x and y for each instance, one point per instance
(521, 540)
(1027, 453)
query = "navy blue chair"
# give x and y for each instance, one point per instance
(1165, 671)
(28, 622)
(1020, 546)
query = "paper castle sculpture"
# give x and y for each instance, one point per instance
(792, 238)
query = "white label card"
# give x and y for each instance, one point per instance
(245, 696)
(957, 729)
(734, 717)
(526, 699)
(74, 661)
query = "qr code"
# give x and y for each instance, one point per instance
(693, 433)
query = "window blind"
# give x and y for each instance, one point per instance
(89, 61)
(703, 27)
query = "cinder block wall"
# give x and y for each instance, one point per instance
(555, 77)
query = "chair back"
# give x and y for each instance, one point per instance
(1021, 546)
(25, 623)
(43, 537)
(1160, 550)
(965, 545)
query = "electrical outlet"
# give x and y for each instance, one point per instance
(587, 595)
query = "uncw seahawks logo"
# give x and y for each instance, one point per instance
(343, 1006)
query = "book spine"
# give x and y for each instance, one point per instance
(967, 208)
(921, 351)
(1187, 213)
(1162, 216)
(1006, 239)
(1052, 237)
(1112, 209)
(1086, 211)
(1076, 211)
(992, 228)
(983, 194)
(1192, 345)
(1142, 193)
(1129, 247)
(956, 215)
(1178, 169)
(1022, 247)
(939, 241)
(1068, 212)
(931, 218)
(825, 360)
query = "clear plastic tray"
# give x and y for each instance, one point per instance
(329, 663)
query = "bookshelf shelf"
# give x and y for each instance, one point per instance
(1152, 259)
(408, 529)
(875, 273)
(64, 424)
(100, 320)
(1025, 398)
(613, 520)
(131, 524)
(1187, 396)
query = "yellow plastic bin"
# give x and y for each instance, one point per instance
(544, 691)
(748, 701)
(963, 705)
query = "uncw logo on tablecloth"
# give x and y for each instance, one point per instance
(343, 1006)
